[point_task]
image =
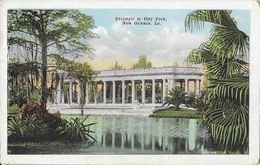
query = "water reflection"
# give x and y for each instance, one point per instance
(124, 134)
(132, 135)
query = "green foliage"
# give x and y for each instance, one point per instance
(229, 127)
(175, 97)
(35, 96)
(143, 62)
(80, 71)
(19, 99)
(14, 109)
(226, 39)
(65, 31)
(34, 108)
(30, 128)
(36, 124)
(14, 127)
(200, 103)
(225, 57)
(21, 77)
(76, 130)
(235, 89)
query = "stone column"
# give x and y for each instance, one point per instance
(197, 87)
(70, 93)
(169, 84)
(164, 90)
(58, 97)
(114, 92)
(104, 139)
(62, 97)
(153, 92)
(113, 140)
(104, 92)
(132, 141)
(95, 92)
(123, 91)
(133, 91)
(143, 91)
(78, 93)
(173, 83)
(122, 140)
(187, 86)
(86, 93)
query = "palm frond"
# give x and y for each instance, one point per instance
(197, 19)
(229, 42)
(236, 89)
(200, 55)
(229, 127)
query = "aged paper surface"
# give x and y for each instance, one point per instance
(140, 50)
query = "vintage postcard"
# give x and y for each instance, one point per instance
(130, 82)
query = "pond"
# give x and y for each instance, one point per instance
(132, 135)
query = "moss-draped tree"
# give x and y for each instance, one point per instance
(52, 31)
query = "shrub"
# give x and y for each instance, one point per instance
(14, 127)
(76, 130)
(33, 128)
(18, 98)
(36, 124)
(52, 119)
(175, 97)
(30, 128)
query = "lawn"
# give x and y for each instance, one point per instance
(173, 113)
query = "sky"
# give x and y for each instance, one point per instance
(164, 45)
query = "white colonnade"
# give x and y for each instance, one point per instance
(130, 86)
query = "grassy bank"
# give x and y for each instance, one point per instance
(173, 113)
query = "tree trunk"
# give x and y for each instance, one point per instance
(44, 87)
(27, 90)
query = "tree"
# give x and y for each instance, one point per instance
(117, 66)
(143, 62)
(175, 97)
(82, 72)
(20, 78)
(65, 31)
(225, 58)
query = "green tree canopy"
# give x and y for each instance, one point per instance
(143, 62)
(63, 31)
(82, 72)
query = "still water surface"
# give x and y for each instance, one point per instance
(134, 135)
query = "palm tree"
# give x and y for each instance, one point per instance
(175, 97)
(225, 57)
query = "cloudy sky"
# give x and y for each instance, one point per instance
(164, 44)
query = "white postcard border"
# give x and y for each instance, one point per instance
(251, 158)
